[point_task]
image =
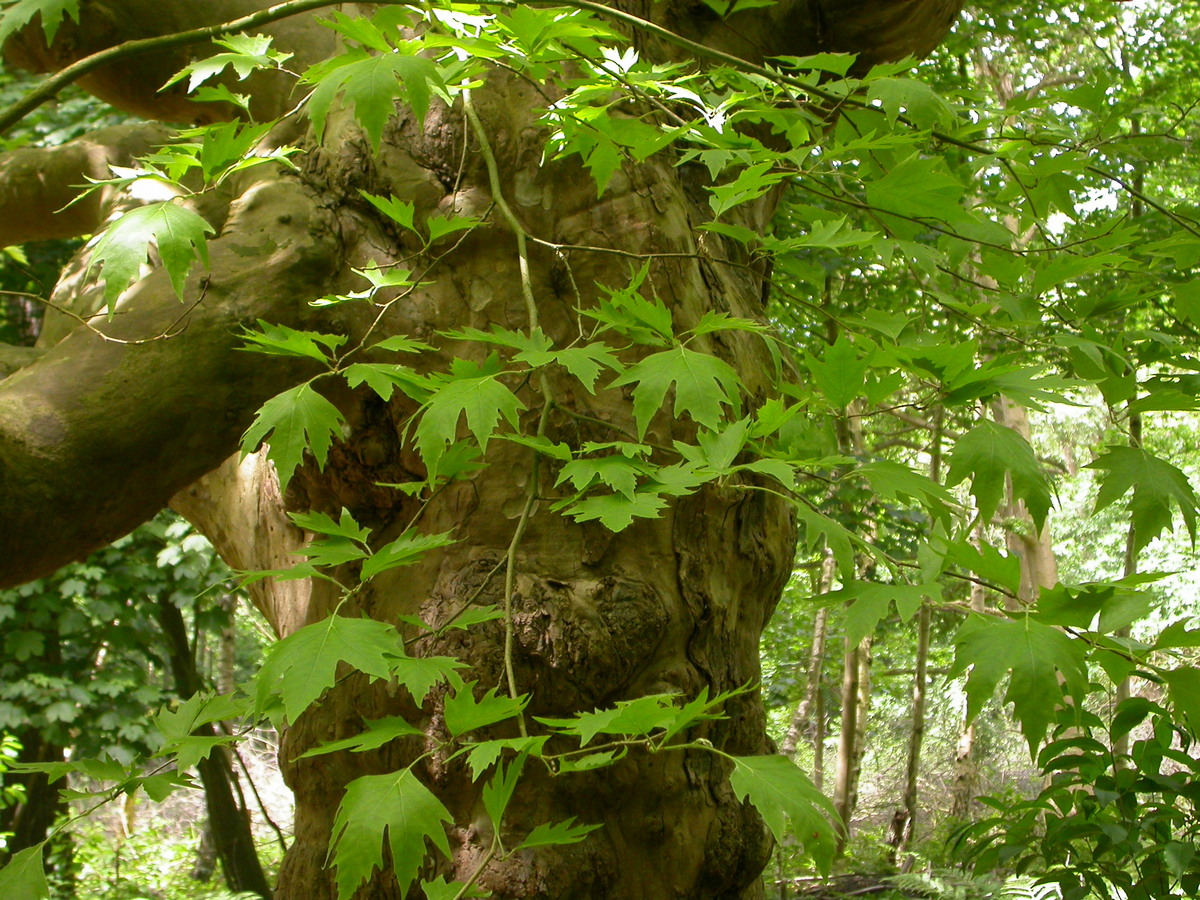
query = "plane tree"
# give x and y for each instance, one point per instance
(503, 266)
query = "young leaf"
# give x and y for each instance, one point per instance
(986, 453)
(245, 54)
(396, 808)
(299, 419)
(1156, 485)
(279, 340)
(783, 795)
(378, 732)
(404, 551)
(499, 789)
(483, 755)
(547, 835)
(320, 523)
(616, 512)
(120, 252)
(464, 713)
(640, 716)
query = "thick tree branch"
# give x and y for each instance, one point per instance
(37, 186)
(96, 436)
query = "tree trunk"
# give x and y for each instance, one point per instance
(228, 821)
(670, 604)
(856, 701)
(805, 719)
(966, 768)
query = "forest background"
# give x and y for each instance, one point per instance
(1033, 355)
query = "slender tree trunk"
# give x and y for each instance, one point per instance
(230, 823)
(966, 769)
(804, 720)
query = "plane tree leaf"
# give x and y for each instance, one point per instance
(176, 231)
(1041, 660)
(395, 808)
(1156, 486)
(989, 452)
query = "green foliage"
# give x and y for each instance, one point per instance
(1106, 822)
(19, 13)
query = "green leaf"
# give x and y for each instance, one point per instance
(871, 602)
(986, 453)
(404, 551)
(842, 374)
(378, 732)
(320, 523)
(499, 789)
(916, 100)
(616, 512)
(399, 211)
(396, 808)
(246, 54)
(546, 835)
(123, 248)
(24, 878)
(483, 755)
(895, 481)
(52, 12)
(481, 398)
(617, 471)
(299, 419)
(441, 889)
(703, 384)
(304, 664)
(1156, 485)
(464, 713)
(784, 796)
(372, 84)
(420, 674)
(585, 362)
(640, 716)
(279, 340)
(1183, 686)
(1035, 654)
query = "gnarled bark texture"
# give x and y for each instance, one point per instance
(97, 435)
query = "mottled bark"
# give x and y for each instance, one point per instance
(673, 604)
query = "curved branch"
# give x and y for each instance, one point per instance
(78, 427)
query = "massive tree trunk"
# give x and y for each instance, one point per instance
(98, 435)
